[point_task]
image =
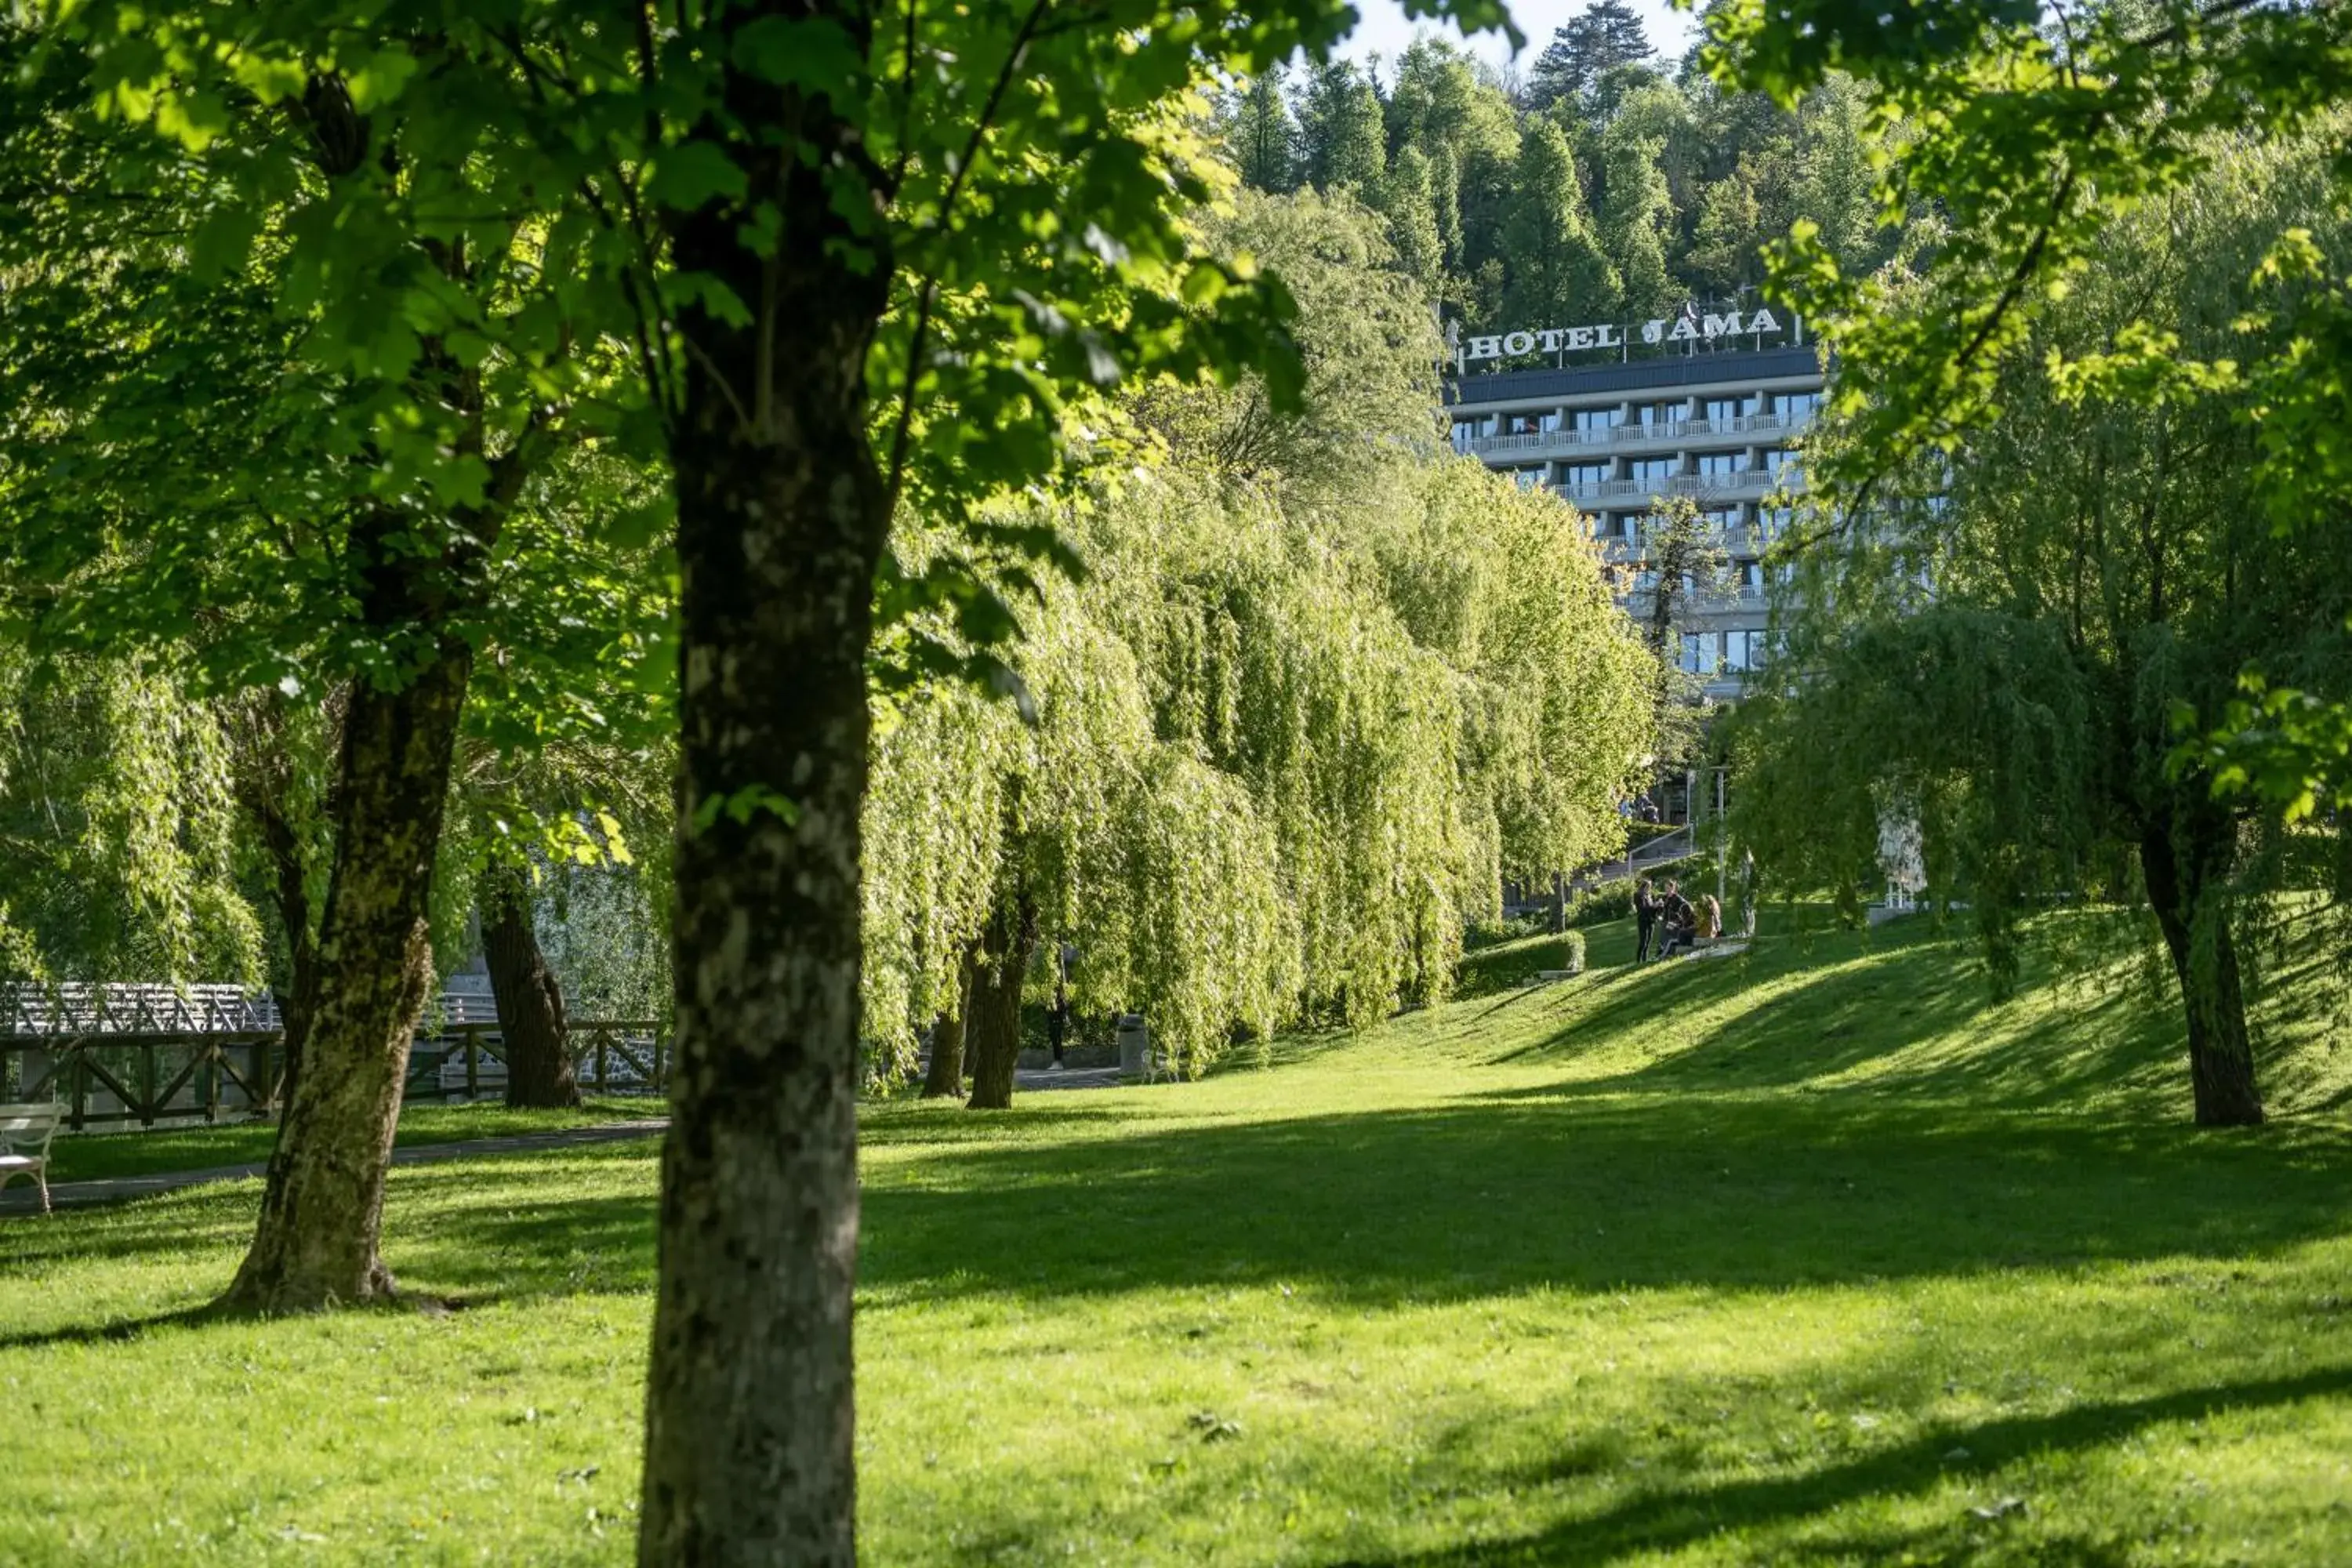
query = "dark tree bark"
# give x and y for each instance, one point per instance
(994, 1030)
(945, 1076)
(781, 515)
(322, 1206)
(2186, 852)
(530, 1002)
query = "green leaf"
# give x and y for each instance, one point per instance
(815, 54)
(692, 174)
(380, 78)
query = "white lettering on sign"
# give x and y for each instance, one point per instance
(1609, 335)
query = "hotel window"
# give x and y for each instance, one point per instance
(1751, 576)
(1656, 414)
(1653, 471)
(1796, 406)
(1701, 653)
(1593, 421)
(1773, 521)
(1722, 465)
(1747, 651)
(1583, 476)
(1541, 422)
(1722, 409)
(1528, 479)
(1468, 430)
(1722, 518)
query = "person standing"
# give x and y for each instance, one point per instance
(1645, 919)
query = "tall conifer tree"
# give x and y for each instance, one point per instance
(1412, 202)
(1559, 271)
(1263, 136)
(1636, 215)
(1607, 36)
(1345, 140)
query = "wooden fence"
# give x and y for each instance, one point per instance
(146, 1075)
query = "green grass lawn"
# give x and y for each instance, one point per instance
(87, 1156)
(1811, 1258)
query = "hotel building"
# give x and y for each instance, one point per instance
(1711, 419)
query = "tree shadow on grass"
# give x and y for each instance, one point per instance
(219, 1215)
(945, 1121)
(114, 1332)
(1870, 1009)
(1667, 1520)
(1587, 1194)
(1580, 1191)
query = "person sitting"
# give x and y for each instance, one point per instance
(1681, 919)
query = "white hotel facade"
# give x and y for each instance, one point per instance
(1713, 419)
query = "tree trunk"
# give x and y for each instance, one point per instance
(2185, 856)
(322, 1206)
(945, 1076)
(781, 515)
(996, 1006)
(530, 1002)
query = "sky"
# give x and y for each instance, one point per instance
(1384, 31)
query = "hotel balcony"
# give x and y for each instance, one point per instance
(1637, 438)
(1706, 489)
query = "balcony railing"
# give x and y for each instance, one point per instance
(1535, 440)
(1599, 489)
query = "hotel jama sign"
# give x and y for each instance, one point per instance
(1692, 326)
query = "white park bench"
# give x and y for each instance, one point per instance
(24, 1134)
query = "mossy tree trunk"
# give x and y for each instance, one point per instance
(322, 1204)
(2186, 853)
(530, 1001)
(995, 1029)
(781, 515)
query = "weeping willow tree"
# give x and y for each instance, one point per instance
(1274, 769)
(1323, 686)
(120, 851)
(1999, 643)
(987, 833)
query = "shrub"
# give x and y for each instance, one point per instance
(1494, 932)
(1611, 901)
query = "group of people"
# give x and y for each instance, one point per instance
(1677, 924)
(1641, 808)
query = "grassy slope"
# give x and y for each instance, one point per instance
(1809, 1259)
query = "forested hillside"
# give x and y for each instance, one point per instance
(1609, 183)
